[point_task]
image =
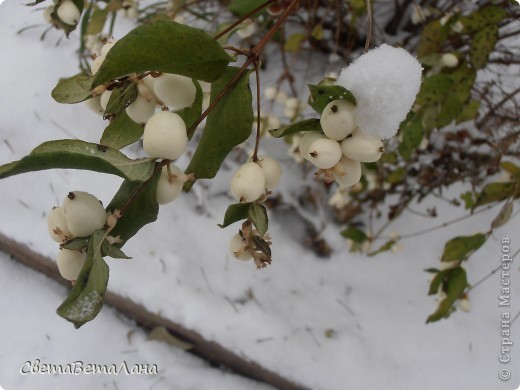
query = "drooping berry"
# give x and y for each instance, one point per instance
(248, 182)
(176, 91)
(272, 172)
(165, 136)
(68, 13)
(57, 225)
(84, 213)
(362, 147)
(70, 263)
(347, 172)
(170, 187)
(337, 119)
(323, 152)
(141, 109)
(237, 247)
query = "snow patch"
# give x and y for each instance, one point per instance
(384, 82)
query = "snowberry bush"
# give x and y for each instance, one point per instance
(371, 125)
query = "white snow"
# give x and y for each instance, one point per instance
(375, 308)
(384, 82)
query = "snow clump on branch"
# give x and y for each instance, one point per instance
(385, 82)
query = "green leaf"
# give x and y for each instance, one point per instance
(312, 124)
(460, 248)
(503, 216)
(437, 282)
(431, 39)
(72, 90)
(450, 109)
(433, 89)
(318, 32)
(321, 95)
(508, 166)
(469, 199)
(243, 7)
(76, 243)
(86, 297)
(462, 80)
(165, 46)
(443, 311)
(160, 333)
(227, 126)
(469, 112)
(234, 213)
(190, 114)
(413, 132)
(258, 215)
(293, 42)
(354, 234)
(121, 131)
(121, 98)
(143, 209)
(97, 21)
(112, 251)
(396, 176)
(383, 248)
(454, 283)
(482, 45)
(75, 154)
(482, 17)
(495, 192)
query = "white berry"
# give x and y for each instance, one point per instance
(362, 147)
(57, 225)
(237, 248)
(165, 136)
(320, 150)
(175, 91)
(293, 103)
(248, 182)
(104, 99)
(141, 109)
(84, 213)
(272, 172)
(270, 92)
(449, 60)
(169, 188)
(70, 263)
(95, 105)
(107, 46)
(464, 305)
(96, 64)
(347, 172)
(68, 13)
(337, 120)
(246, 29)
(307, 139)
(148, 81)
(146, 91)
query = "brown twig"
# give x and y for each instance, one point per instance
(240, 20)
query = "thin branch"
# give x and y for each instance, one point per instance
(239, 21)
(369, 33)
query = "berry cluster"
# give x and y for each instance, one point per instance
(80, 216)
(165, 134)
(339, 151)
(252, 182)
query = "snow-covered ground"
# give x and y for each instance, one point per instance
(348, 322)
